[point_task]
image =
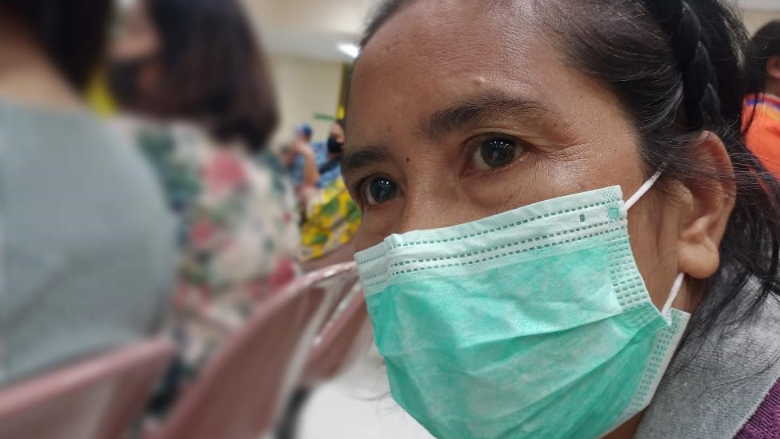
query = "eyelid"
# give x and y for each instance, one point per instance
(360, 187)
(478, 140)
(356, 190)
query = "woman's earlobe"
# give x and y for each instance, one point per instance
(706, 207)
(773, 67)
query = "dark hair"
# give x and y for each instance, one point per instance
(674, 66)
(764, 45)
(72, 32)
(213, 70)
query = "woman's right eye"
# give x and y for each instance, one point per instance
(379, 190)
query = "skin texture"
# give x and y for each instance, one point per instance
(439, 55)
(138, 40)
(26, 74)
(337, 132)
(773, 76)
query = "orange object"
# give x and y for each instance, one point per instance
(763, 137)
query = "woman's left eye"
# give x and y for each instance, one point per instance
(495, 153)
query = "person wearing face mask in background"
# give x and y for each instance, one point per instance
(213, 106)
(327, 156)
(331, 217)
(330, 169)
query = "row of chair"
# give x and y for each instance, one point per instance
(306, 333)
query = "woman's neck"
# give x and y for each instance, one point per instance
(772, 87)
(26, 74)
(627, 430)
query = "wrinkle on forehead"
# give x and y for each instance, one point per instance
(436, 52)
(432, 26)
(434, 40)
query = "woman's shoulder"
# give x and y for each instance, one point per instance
(84, 228)
(765, 422)
(65, 141)
(717, 381)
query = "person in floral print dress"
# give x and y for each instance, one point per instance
(214, 108)
(238, 233)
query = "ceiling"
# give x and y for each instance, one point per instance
(313, 29)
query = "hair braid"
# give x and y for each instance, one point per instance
(699, 79)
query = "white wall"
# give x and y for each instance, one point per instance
(305, 88)
(754, 19)
(340, 16)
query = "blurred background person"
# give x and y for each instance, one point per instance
(331, 217)
(763, 135)
(315, 167)
(196, 63)
(303, 158)
(330, 168)
(87, 243)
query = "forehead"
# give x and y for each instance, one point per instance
(435, 50)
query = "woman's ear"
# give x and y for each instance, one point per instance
(706, 205)
(773, 67)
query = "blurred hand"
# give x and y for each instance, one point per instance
(300, 147)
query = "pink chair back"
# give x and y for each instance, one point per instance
(97, 398)
(341, 341)
(241, 392)
(330, 285)
(342, 254)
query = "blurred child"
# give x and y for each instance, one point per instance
(763, 137)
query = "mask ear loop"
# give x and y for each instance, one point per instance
(674, 293)
(677, 286)
(645, 188)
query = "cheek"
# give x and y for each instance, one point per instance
(652, 225)
(527, 182)
(376, 225)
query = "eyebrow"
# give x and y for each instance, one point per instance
(468, 112)
(481, 109)
(363, 157)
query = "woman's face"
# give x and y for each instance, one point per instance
(134, 54)
(459, 112)
(136, 37)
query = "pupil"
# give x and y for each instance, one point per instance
(498, 152)
(382, 190)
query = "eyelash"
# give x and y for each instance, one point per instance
(476, 142)
(472, 145)
(359, 189)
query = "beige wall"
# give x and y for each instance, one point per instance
(754, 19)
(342, 16)
(305, 88)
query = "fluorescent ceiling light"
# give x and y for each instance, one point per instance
(350, 49)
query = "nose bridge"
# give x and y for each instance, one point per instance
(431, 202)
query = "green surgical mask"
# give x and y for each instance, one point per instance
(534, 323)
